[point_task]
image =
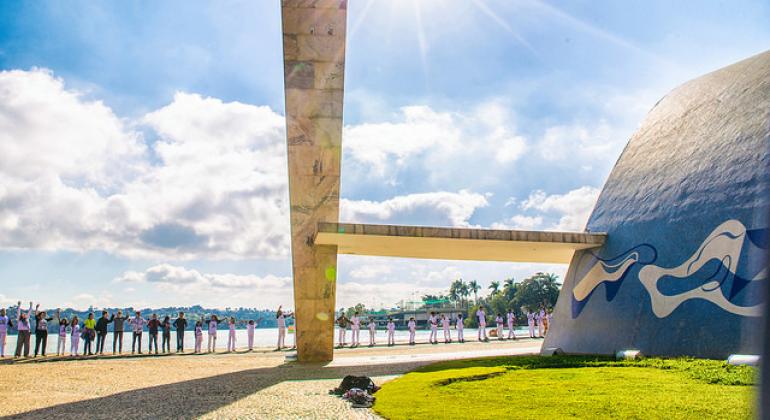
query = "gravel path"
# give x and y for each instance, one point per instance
(241, 385)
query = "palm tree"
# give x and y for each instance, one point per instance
(464, 291)
(454, 291)
(494, 287)
(474, 287)
(509, 288)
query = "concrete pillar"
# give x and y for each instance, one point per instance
(314, 66)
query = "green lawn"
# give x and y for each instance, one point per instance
(564, 386)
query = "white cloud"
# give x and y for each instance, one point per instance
(368, 271)
(435, 208)
(421, 128)
(47, 131)
(520, 222)
(191, 286)
(580, 142)
(436, 142)
(75, 177)
(573, 208)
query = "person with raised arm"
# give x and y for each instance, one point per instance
(250, 326)
(41, 330)
(61, 343)
(213, 323)
(117, 331)
(391, 332)
(459, 326)
(74, 336)
(165, 326)
(101, 331)
(5, 325)
(23, 328)
(137, 325)
(445, 324)
(180, 324)
(89, 334)
(280, 317)
(231, 335)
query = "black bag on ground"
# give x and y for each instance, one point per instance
(350, 381)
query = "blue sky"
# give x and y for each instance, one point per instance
(141, 144)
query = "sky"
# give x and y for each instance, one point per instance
(142, 144)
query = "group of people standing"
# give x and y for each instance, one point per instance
(539, 322)
(92, 330)
(435, 320)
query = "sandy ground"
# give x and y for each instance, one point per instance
(240, 385)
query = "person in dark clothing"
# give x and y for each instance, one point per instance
(153, 324)
(117, 331)
(101, 331)
(181, 325)
(41, 330)
(165, 344)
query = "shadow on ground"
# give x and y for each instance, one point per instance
(197, 397)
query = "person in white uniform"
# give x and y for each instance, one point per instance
(231, 334)
(372, 331)
(213, 323)
(499, 325)
(74, 336)
(445, 325)
(549, 320)
(250, 333)
(198, 336)
(280, 317)
(482, 318)
(391, 332)
(531, 323)
(412, 330)
(61, 344)
(511, 319)
(540, 318)
(5, 325)
(355, 329)
(459, 325)
(433, 324)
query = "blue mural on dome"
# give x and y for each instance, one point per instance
(713, 272)
(686, 211)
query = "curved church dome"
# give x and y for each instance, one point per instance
(686, 212)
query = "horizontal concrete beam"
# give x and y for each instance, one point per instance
(456, 243)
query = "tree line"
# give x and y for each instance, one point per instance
(532, 293)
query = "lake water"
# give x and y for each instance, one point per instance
(264, 338)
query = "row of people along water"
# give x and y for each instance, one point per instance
(92, 332)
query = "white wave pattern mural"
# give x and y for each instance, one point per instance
(602, 272)
(724, 244)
